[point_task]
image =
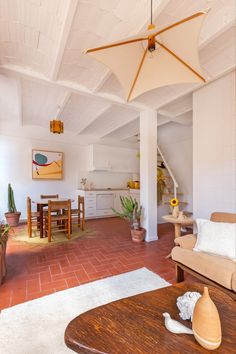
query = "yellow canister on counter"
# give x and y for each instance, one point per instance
(131, 184)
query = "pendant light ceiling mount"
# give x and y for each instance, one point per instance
(151, 39)
(174, 53)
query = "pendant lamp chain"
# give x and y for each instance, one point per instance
(151, 12)
(151, 38)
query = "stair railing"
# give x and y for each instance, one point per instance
(170, 172)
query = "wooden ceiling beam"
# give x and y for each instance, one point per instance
(71, 11)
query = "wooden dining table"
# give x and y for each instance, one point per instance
(41, 204)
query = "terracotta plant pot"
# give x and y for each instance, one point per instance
(206, 322)
(138, 235)
(13, 218)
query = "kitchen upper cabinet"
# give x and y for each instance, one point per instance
(99, 159)
(113, 159)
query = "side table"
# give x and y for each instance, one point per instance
(178, 223)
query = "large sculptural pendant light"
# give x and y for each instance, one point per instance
(155, 58)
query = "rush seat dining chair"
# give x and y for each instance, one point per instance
(61, 222)
(32, 217)
(77, 215)
(50, 196)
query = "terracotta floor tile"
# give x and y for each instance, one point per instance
(54, 284)
(45, 277)
(63, 276)
(39, 294)
(18, 297)
(55, 269)
(71, 282)
(33, 286)
(81, 276)
(5, 302)
(89, 268)
(72, 268)
(64, 263)
(38, 271)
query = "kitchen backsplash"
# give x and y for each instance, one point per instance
(105, 179)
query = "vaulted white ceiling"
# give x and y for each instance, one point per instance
(44, 73)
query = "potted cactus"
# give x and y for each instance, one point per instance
(12, 216)
(131, 211)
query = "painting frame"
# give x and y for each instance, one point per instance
(49, 171)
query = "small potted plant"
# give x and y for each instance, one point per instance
(83, 183)
(12, 216)
(4, 229)
(132, 212)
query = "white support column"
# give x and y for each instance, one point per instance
(148, 172)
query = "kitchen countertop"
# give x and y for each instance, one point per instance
(104, 189)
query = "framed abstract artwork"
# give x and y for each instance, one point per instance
(47, 164)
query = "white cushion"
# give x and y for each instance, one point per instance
(218, 238)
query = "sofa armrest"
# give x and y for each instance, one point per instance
(187, 241)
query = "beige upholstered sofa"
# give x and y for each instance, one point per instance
(215, 270)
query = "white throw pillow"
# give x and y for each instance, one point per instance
(218, 238)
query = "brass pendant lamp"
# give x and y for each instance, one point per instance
(155, 58)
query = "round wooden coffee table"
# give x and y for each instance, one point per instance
(136, 325)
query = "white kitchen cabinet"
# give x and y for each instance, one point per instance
(135, 194)
(122, 193)
(89, 203)
(99, 203)
(113, 159)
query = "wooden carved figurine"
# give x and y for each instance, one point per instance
(206, 322)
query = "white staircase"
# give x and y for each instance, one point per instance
(161, 159)
(172, 187)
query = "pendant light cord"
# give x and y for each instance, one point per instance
(151, 12)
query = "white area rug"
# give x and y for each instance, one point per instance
(38, 326)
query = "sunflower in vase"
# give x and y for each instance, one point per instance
(174, 204)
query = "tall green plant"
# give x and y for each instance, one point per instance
(11, 200)
(130, 211)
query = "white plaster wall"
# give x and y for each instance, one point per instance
(9, 100)
(15, 168)
(214, 147)
(176, 143)
(15, 162)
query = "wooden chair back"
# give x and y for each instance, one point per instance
(80, 202)
(62, 220)
(223, 217)
(32, 217)
(49, 196)
(81, 214)
(54, 205)
(28, 207)
(29, 221)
